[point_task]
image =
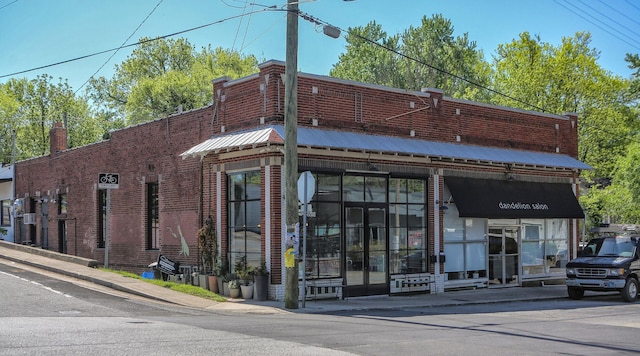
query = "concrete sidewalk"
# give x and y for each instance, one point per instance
(81, 268)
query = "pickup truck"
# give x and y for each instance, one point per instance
(607, 263)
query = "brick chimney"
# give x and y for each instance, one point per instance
(57, 138)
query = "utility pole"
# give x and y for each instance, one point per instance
(291, 148)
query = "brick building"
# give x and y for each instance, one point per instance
(413, 191)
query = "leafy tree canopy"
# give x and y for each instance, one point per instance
(30, 107)
(420, 57)
(162, 75)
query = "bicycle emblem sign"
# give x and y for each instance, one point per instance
(108, 181)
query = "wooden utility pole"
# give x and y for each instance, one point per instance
(291, 148)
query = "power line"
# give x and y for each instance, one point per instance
(612, 20)
(116, 51)
(595, 24)
(619, 12)
(632, 4)
(137, 43)
(13, 2)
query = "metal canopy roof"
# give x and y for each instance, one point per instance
(350, 141)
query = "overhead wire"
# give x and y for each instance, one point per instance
(13, 2)
(246, 29)
(123, 43)
(620, 12)
(595, 24)
(135, 44)
(235, 38)
(632, 4)
(309, 18)
(619, 24)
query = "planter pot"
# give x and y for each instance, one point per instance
(213, 283)
(220, 288)
(234, 292)
(261, 284)
(225, 289)
(247, 291)
(203, 280)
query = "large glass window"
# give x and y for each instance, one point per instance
(5, 213)
(365, 189)
(153, 216)
(464, 243)
(245, 213)
(544, 246)
(556, 246)
(407, 225)
(323, 228)
(102, 217)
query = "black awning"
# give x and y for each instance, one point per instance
(499, 199)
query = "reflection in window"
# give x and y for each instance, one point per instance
(62, 204)
(365, 189)
(102, 217)
(465, 244)
(324, 229)
(544, 246)
(153, 217)
(5, 216)
(407, 225)
(245, 213)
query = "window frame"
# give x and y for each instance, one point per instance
(152, 223)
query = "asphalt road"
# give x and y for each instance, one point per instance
(46, 314)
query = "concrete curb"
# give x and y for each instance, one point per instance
(50, 254)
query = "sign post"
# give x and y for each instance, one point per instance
(108, 181)
(306, 190)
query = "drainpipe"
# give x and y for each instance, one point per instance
(13, 179)
(436, 223)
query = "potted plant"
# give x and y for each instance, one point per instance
(245, 276)
(221, 271)
(234, 288)
(261, 281)
(208, 243)
(226, 279)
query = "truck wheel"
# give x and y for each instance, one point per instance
(575, 292)
(630, 291)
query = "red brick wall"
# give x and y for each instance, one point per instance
(139, 154)
(150, 153)
(357, 107)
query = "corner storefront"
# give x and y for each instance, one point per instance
(381, 221)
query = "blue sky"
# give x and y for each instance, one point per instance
(36, 33)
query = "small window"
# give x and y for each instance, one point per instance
(5, 213)
(153, 217)
(102, 217)
(62, 204)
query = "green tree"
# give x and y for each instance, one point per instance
(30, 107)
(567, 78)
(8, 108)
(563, 79)
(367, 62)
(425, 56)
(162, 75)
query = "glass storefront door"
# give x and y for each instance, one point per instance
(503, 256)
(366, 246)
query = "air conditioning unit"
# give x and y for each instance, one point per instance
(29, 218)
